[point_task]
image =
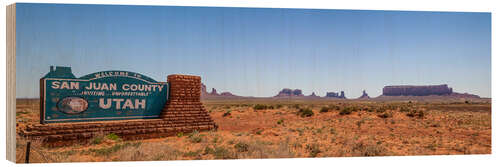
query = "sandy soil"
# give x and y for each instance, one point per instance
(344, 128)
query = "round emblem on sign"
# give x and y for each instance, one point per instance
(72, 105)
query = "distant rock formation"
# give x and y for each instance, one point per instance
(411, 90)
(463, 95)
(203, 90)
(313, 95)
(364, 95)
(332, 94)
(226, 94)
(336, 94)
(213, 93)
(289, 92)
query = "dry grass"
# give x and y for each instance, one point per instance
(274, 130)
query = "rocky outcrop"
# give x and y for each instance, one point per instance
(213, 93)
(289, 92)
(335, 94)
(203, 90)
(463, 95)
(411, 90)
(226, 94)
(313, 95)
(364, 95)
(332, 94)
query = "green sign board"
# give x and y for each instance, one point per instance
(107, 95)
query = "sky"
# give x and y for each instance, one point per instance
(258, 51)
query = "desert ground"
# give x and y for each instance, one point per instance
(292, 128)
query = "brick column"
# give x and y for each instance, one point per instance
(184, 106)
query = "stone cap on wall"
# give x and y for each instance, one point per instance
(177, 77)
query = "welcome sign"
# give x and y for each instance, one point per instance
(107, 95)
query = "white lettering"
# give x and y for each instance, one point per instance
(160, 87)
(55, 85)
(104, 106)
(65, 85)
(142, 103)
(104, 86)
(147, 88)
(112, 86)
(118, 103)
(128, 103)
(125, 87)
(133, 87)
(75, 85)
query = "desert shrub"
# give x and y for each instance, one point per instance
(297, 145)
(281, 121)
(305, 112)
(195, 137)
(260, 107)
(420, 114)
(363, 149)
(345, 111)
(97, 140)
(319, 131)
(222, 153)
(208, 150)
(415, 113)
(324, 109)
(216, 139)
(180, 134)
(296, 106)
(279, 106)
(385, 115)
(352, 108)
(300, 130)
(192, 153)
(431, 146)
(360, 122)
(113, 136)
(404, 109)
(106, 151)
(313, 150)
(241, 147)
(227, 113)
(380, 109)
(435, 125)
(333, 131)
(21, 113)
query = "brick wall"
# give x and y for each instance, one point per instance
(184, 105)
